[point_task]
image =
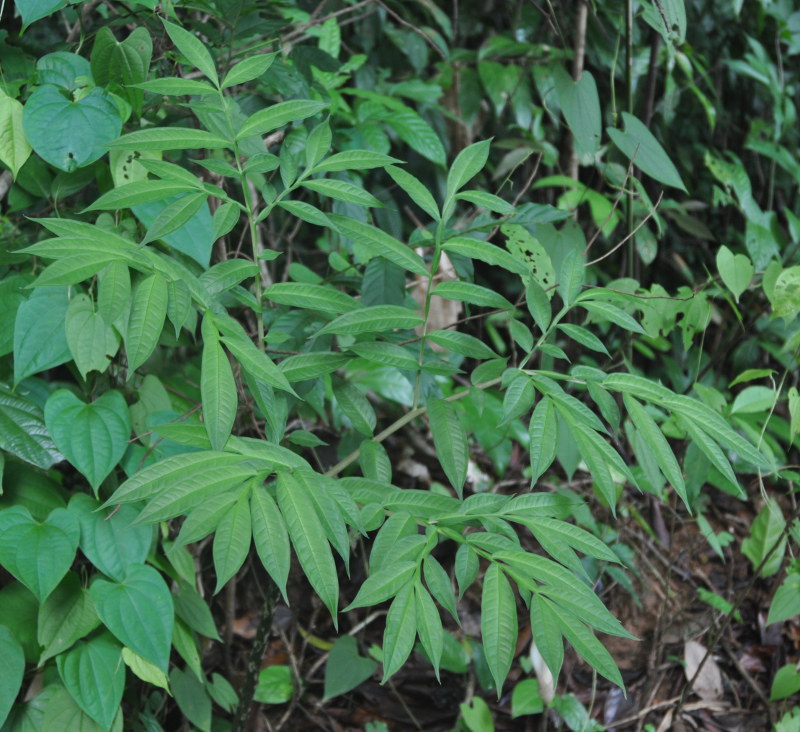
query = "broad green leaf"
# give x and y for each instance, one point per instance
(498, 623)
(353, 160)
(275, 685)
(356, 407)
(440, 586)
(308, 540)
(380, 243)
(646, 153)
(191, 698)
(488, 201)
(785, 294)
(785, 683)
(613, 314)
(658, 446)
(94, 436)
(417, 134)
(91, 339)
(40, 340)
(713, 423)
(94, 675)
(70, 134)
(401, 629)
(176, 215)
(580, 105)
(586, 644)
(65, 616)
(194, 50)
(473, 294)
(13, 670)
(249, 69)
(584, 337)
(147, 315)
(125, 62)
(33, 10)
(375, 319)
(383, 584)
(754, 399)
(462, 343)
(767, 540)
(138, 192)
(341, 190)
(38, 554)
(138, 611)
(217, 388)
(429, 626)
(416, 190)
(174, 86)
(786, 601)
(736, 270)
(270, 537)
(109, 538)
(176, 470)
(14, 146)
(277, 115)
(325, 298)
(388, 354)
(345, 668)
(450, 441)
(525, 699)
(232, 540)
(467, 164)
(306, 366)
(485, 252)
(547, 634)
(73, 270)
(193, 610)
(23, 432)
(169, 138)
(61, 711)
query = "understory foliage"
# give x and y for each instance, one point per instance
(257, 256)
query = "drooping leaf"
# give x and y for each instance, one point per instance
(401, 629)
(345, 668)
(232, 540)
(65, 616)
(13, 671)
(23, 432)
(14, 146)
(450, 440)
(40, 339)
(270, 536)
(498, 623)
(147, 315)
(194, 50)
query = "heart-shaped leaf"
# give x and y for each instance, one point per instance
(93, 436)
(94, 675)
(736, 270)
(345, 668)
(40, 340)
(108, 539)
(139, 611)
(22, 430)
(70, 134)
(65, 617)
(92, 341)
(38, 554)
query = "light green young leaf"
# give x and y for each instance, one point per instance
(14, 146)
(194, 50)
(767, 539)
(786, 601)
(401, 629)
(277, 115)
(232, 540)
(217, 388)
(249, 69)
(308, 540)
(467, 165)
(382, 244)
(736, 270)
(498, 624)
(646, 153)
(147, 315)
(450, 440)
(270, 536)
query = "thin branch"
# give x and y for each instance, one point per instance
(413, 28)
(632, 234)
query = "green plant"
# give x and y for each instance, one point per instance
(246, 316)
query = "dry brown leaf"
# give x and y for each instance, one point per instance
(708, 684)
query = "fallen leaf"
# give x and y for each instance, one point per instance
(708, 684)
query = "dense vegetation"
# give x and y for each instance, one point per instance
(470, 317)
